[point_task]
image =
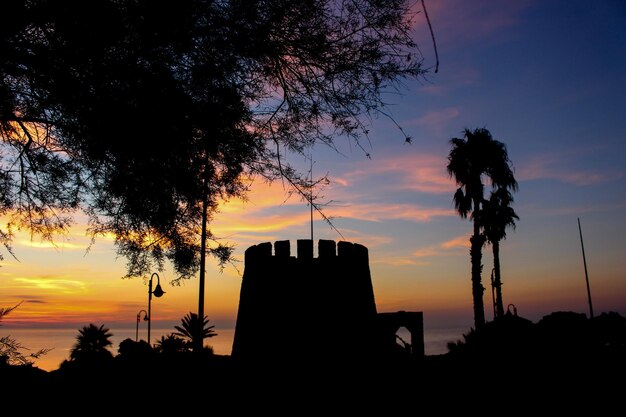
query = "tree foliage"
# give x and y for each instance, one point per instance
(92, 344)
(194, 331)
(472, 159)
(172, 344)
(497, 215)
(146, 116)
(12, 351)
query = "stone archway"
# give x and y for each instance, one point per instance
(413, 321)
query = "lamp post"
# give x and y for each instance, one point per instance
(145, 318)
(158, 292)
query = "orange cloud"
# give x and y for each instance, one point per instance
(457, 242)
(45, 244)
(259, 223)
(55, 310)
(443, 248)
(261, 194)
(398, 261)
(427, 252)
(265, 218)
(54, 284)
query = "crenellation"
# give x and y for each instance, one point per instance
(326, 249)
(305, 249)
(282, 249)
(259, 250)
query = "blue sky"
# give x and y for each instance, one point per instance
(547, 78)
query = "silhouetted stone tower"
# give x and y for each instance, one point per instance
(304, 309)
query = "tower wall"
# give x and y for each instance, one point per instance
(304, 308)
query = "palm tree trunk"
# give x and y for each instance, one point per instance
(497, 281)
(477, 241)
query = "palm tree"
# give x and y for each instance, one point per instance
(195, 330)
(496, 216)
(92, 343)
(172, 344)
(471, 158)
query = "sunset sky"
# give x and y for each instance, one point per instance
(546, 77)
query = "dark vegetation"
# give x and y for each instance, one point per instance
(145, 116)
(472, 159)
(565, 361)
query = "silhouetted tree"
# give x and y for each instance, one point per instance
(472, 157)
(610, 331)
(11, 350)
(91, 344)
(131, 349)
(146, 116)
(82, 86)
(172, 344)
(195, 330)
(497, 215)
(510, 336)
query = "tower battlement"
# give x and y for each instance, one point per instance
(327, 250)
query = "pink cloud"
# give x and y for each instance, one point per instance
(369, 240)
(590, 177)
(590, 207)
(555, 167)
(343, 182)
(381, 212)
(456, 22)
(269, 211)
(415, 172)
(459, 23)
(436, 120)
(461, 76)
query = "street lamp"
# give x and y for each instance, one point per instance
(158, 292)
(145, 318)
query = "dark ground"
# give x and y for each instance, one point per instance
(562, 383)
(559, 366)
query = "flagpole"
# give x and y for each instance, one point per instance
(311, 202)
(586, 275)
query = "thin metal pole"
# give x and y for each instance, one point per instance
(145, 317)
(586, 275)
(149, 307)
(493, 295)
(311, 204)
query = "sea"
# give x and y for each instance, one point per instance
(61, 340)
